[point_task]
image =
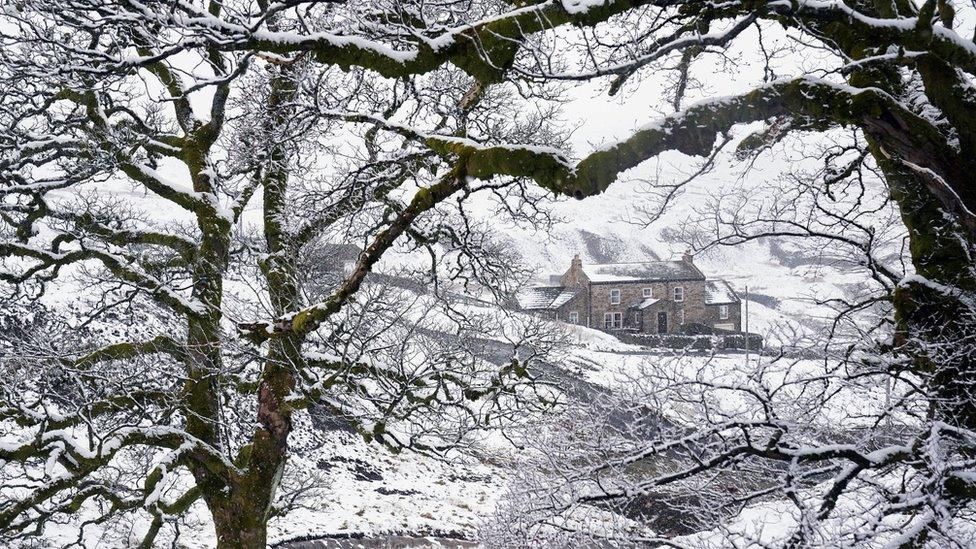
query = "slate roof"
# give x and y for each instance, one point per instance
(545, 297)
(645, 271)
(718, 292)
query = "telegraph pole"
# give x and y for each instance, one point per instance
(746, 331)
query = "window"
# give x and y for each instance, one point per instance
(574, 317)
(648, 292)
(636, 318)
(723, 312)
(612, 321)
(614, 297)
(681, 316)
(679, 293)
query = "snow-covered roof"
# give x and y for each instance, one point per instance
(563, 297)
(649, 270)
(544, 297)
(718, 292)
(645, 303)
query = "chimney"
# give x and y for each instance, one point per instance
(573, 276)
(688, 257)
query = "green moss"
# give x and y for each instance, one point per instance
(300, 322)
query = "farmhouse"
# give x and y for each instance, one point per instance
(655, 297)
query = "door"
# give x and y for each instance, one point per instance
(662, 322)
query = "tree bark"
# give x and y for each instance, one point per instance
(934, 315)
(238, 524)
(931, 183)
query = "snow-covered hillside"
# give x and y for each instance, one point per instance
(784, 282)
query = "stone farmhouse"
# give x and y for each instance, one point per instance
(654, 297)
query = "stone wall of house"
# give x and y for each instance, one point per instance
(713, 316)
(546, 314)
(648, 317)
(577, 304)
(631, 292)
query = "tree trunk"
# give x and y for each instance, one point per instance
(238, 525)
(241, 515)
(934, 313)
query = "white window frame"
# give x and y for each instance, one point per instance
(679, 293)
(681, 316)
(723, 312)
(615, 296)
(648, 292)
(613, 321)
(574, 317)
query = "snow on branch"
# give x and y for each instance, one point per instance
(124, 269)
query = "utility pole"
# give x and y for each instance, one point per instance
(746, 330)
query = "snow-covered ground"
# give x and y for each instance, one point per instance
(370, 491)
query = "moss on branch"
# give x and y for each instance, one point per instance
(694, 131)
